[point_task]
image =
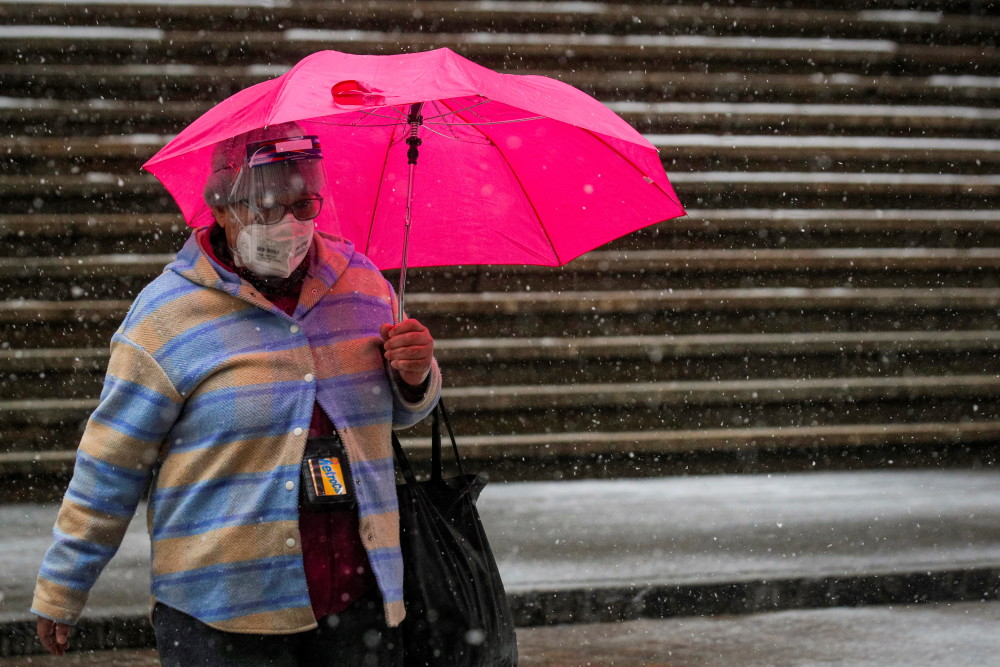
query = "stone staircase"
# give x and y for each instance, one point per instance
(831, 300)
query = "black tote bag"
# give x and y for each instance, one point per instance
(456, 609)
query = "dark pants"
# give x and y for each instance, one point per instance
(357, 637)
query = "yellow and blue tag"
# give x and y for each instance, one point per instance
(328, 477)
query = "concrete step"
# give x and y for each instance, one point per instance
(545, 449)
(86, 233)
(830, 154)
(829, 120)
(40, 470)
(809, 228)
(120, 193)
(53, 156)
(79, 372)
(116, 45)
(787, 189)
(33, 117)
(26, 324)
(964, 7)
(698, 268)
(513, 447)
(178, 82)
(503, 452)
(961, 7)
(35, 235)
(543, 17)
(55, 423)
(124, 274)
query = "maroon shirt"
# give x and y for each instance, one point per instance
(335, 561)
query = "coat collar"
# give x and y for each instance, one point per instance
(329, 258)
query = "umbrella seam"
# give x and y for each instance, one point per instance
(597, 136)
(530, 203)
(378, 192)
(285, 80)
(513, 173)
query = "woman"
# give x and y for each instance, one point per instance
(252, 387)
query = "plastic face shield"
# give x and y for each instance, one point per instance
(279, 176)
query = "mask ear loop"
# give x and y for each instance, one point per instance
(241, 187)
(243, 225)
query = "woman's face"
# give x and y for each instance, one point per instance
(235, 216)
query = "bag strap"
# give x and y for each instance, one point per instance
(404, 463)
(437, 466)
(436, 444)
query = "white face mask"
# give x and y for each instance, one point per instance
(274, 250)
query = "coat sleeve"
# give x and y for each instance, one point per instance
(120, 445)
(406, 413)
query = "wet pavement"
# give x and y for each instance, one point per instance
(642, 532)
(585, 552)
(956, 635)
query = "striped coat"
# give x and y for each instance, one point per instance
(209, 393)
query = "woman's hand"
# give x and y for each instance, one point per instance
(53, 635)
(409, 348)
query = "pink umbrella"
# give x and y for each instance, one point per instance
(512, 169)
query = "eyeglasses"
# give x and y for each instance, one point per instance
(304, 209)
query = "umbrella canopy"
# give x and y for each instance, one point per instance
(511, 170)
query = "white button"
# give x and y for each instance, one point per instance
(297, 431)
(294, 328)
(308, 377)
(289, 485)
(290, 541)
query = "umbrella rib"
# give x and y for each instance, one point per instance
(401, 120)
(595, 135)
(324, 122)
(527, 197)
(452, 137)
(470, 108)
(492, 122)
(457, 111)
(399, 116)
(378, 192)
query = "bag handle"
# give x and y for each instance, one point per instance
(404, 464)
(437, 466)
(436, 441)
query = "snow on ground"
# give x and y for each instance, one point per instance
(956, 635)
(724, 528)
(575, 534)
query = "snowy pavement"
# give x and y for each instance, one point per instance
(735, 528)
(667, 531)
(956, 635)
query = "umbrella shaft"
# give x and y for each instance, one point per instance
(415, 120)
(406, 243)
